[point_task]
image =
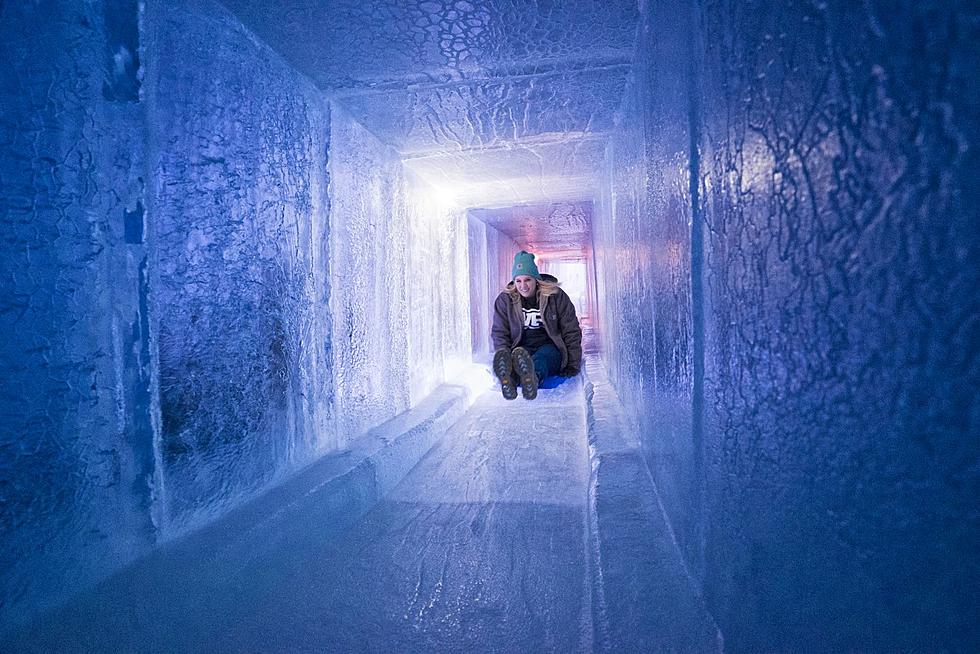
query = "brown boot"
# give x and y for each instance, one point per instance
(502, 368)
(524, 365)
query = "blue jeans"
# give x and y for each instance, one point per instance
(547, 361)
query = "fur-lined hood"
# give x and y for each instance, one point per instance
(543, 291)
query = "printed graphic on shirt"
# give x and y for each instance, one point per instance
(532, 318)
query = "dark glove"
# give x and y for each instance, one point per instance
(569, 371)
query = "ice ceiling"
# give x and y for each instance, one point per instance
(555, 228)
(494, 103)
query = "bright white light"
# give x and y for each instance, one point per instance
(443, 196)
(476, 378)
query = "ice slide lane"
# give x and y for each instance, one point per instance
(645, 598)
(528, 527)
(482, 547)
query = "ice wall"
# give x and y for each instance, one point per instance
(166, 292)
(76, 466)
(573, 277)
(801, 320)
(188, 319)
(399, 278)
(480, 293)
(491, 253)
(642, 236)
(500, 260)
(239, 215)
(438, 289)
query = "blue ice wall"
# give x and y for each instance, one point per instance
(370, 329)
(642, 235)
(803, 318)
(480, 300)
(500, 260)
(490, 253)
(76, 460)
(239, 215)
(195, 304)
(437, 289)
(400, 279)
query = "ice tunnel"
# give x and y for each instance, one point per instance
(250, 256)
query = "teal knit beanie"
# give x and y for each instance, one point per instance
(524, 265)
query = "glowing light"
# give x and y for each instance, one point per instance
(442, 196)
(476, 378)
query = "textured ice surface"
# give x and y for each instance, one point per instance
(399, 265)
(492, 113)
(483, 546)
(385, 43)
(547, 171)
(237, 239)
(549, 229)
(76, 459)
(491, 253)
(501, 103)
(818, 467)
(645, 599)
(241, 287)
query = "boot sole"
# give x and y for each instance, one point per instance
(524, 365)
(502, 367)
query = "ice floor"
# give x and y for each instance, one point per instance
(483, 546)
(489, 544)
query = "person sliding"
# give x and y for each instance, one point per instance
(535, 331)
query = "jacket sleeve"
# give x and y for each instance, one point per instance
(571, 333)
(500, 333)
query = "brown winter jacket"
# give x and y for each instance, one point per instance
(560, 323)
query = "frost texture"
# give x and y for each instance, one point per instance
(213, 273)
(338, 45)
(241, 292)
(561, 227)
(399, 268)
(498, 103)
(76, 459)
(829, 443)
(491, 253)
